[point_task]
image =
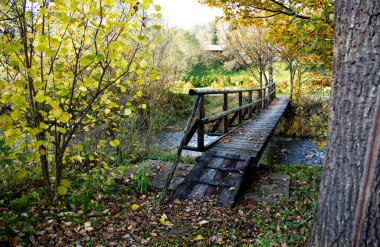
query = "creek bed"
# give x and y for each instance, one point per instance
(280, 150)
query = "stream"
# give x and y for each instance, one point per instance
(280, 149)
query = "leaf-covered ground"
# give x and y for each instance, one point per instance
(126, 219)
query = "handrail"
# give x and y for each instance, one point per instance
(200, 91)
(228, 112)
(198, 120)
(223, 123)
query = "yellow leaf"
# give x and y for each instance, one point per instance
(107, 111)
(198, 237)
(40, 97)
(127, 112)
(134, 207)
(143, 106)
(164, 220)
(16, 115)
(143, 64)
(65, 183)
(56, 112)
(114, 55)
(82, 89)
(44, 126)
(115, 143)
(18, 99)
(64, 117)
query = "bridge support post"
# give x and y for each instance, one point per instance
(201, 126)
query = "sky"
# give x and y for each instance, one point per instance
(186, 13)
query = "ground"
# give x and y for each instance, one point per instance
(119, 217)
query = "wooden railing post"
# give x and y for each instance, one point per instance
(250, 101)
(263, 98)
(225, 119)
(240, 116)
(259, 97)
(201, 126)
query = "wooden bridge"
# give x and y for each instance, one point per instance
(243, 133)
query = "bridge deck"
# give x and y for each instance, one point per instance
(221, 169)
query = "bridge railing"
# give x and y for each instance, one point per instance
(226, 121)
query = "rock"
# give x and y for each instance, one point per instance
(276, 186)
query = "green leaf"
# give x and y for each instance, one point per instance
(90, 57)
(62, 190)
(65, 183)
(21, 174)
(59, 66)
(100, 57)
(141, 37)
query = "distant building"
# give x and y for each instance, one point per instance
(213, 49)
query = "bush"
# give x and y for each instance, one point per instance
(306, 117)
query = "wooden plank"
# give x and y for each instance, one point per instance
(236, 151)
(216, 126)
(232, 119)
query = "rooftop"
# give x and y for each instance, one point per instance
(213, 47)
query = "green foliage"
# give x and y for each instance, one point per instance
(21, 204)
(307, 117)
(203, 76)
(141, 179)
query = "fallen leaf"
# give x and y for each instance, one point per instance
(203, 222)
(87, 226)
(198, 237)
(164, 221)
(134, 207)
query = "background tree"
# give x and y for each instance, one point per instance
(179, 52)
(306, 28)
(214, 35)
(248, 48)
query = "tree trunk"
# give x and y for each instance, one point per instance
(292, 75)
(348, 212)
(45, 166)
(270, 69)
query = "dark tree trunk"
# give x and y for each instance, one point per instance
(348, 212)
